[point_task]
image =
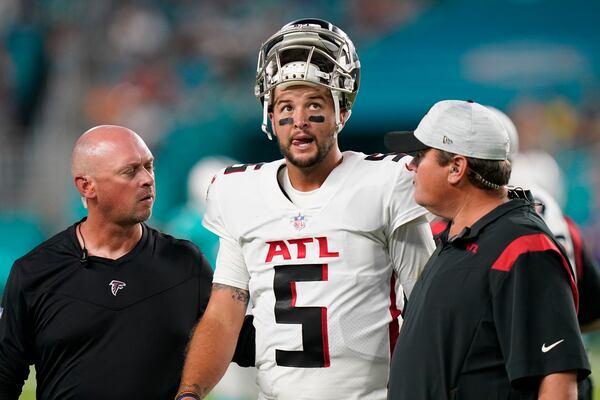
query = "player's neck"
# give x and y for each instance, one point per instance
(108, 240)
(311, 178)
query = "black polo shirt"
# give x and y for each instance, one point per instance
(492, 313)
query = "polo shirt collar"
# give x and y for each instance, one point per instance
(471, 232)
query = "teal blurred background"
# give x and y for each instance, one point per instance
(181, 74)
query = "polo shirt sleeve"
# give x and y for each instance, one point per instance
(535, 318)
(14, 337)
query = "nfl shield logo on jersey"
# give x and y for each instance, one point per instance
(299, 221)
(115, 286)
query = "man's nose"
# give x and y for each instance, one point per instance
(300, 119)
(148, 178)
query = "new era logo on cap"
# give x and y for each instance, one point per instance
(460, 127)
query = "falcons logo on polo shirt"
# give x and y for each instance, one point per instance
(115, 286)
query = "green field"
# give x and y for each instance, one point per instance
(29, 389)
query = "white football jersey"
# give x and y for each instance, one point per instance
(319, 277)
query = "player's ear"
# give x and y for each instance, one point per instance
(344, 115)
(85, 186)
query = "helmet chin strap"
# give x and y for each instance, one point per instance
(264, 126)
(336, 106)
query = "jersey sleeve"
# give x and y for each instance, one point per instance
(536, 322)
(402, 205)
(230, 268)
(213, 219)
(15, 353)
(410, 246)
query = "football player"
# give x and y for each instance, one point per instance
(325, 243)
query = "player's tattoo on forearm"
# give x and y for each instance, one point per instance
(238, 294)
(194, 388)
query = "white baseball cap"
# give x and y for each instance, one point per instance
(456, 126)
(511, 129)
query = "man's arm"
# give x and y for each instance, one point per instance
(213, 343)
(559, 386)
(15, 338)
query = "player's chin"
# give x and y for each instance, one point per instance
(301, 155)
(303, 160)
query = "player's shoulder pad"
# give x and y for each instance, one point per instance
(387, 166)
(238, 173)
(388, 157)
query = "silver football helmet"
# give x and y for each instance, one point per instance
(308, 51)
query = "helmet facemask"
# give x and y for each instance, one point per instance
(308, 52)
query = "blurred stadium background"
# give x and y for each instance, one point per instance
(181, 74)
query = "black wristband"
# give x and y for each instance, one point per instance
(187, 396)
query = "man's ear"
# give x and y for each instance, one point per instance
(85, 186)
(457, 169)
(344, 115)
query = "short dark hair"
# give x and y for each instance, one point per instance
(483, 174)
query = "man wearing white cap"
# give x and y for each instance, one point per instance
(494, 313)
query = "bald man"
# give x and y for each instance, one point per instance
(104, 309)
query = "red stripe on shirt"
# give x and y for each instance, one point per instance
(577, 246)
(326, 361)
(529, 244)
(293, 288)
(438, 226)
(393, 326)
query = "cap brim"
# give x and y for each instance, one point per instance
(403, 142)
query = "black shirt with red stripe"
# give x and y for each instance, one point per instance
(493, 312)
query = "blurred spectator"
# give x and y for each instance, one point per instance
(186, 221)
(28, 65)
(533, 156)
(19, 231)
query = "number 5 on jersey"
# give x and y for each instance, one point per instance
(312, 319)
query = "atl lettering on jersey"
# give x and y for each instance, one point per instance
(298, 249)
